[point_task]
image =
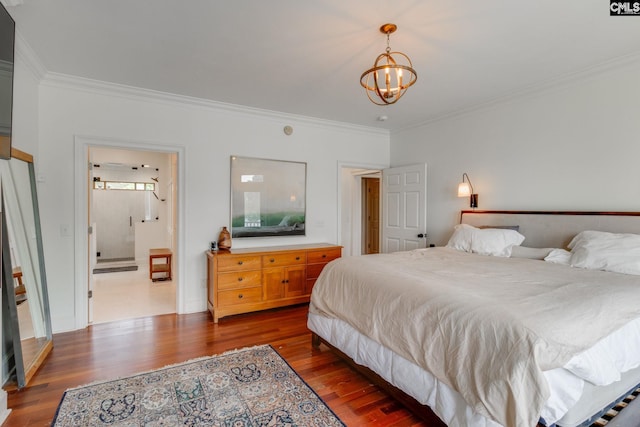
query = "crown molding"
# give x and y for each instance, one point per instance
(546, 86)
(135, 93)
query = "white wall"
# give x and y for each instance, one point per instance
(210, 135)
(571, 147)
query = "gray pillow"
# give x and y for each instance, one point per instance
(505, 227)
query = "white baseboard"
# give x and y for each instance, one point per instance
(4, 411)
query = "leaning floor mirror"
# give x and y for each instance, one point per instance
(26, 320)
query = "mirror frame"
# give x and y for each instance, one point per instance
(24, 370)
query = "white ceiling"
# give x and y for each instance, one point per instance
(306, 57)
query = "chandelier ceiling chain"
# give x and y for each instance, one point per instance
(387, 80)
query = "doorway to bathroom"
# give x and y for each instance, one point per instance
(132, 207)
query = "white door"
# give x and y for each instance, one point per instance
(404, 208)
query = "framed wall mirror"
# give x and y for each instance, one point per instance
(26, 320)
(268, 197)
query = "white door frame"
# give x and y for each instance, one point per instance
(341, 167)
(81, 213)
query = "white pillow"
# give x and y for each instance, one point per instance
(559, 256)
(461, 238)
(530, 253)
(487, 241)
(585, 236)
(599, 250)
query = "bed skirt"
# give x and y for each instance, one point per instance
(573, 403)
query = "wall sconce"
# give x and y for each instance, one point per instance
(465, 189)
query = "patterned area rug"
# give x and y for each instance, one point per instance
(248, 387)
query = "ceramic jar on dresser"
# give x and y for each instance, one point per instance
(252, 279)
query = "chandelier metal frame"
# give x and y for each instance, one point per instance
(377, 80)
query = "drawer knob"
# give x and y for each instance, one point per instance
(240, 262)
(240, 296)
(240, 279)
(272, 260)
(324, 255)
(297, 258)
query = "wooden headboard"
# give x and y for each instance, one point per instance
(554, 229)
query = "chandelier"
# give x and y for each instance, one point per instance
(391, 75)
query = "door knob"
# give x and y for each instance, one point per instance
(420, 236)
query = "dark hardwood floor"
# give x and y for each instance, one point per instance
(118, 349)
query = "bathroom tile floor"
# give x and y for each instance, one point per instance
(131, 294)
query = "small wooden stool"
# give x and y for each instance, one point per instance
(19, 288)
(164, 267)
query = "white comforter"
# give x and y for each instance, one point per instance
(485, 326)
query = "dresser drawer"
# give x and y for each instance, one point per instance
(325, 255)
(276, 260)
(250, 279)
(313, 270)
(238, 262)
(239, 296)
(239, 279)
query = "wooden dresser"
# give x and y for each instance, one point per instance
(252, 279)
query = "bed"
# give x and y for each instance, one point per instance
(492, 334)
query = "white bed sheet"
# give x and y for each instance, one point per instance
(610, 357)
(558, 312)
